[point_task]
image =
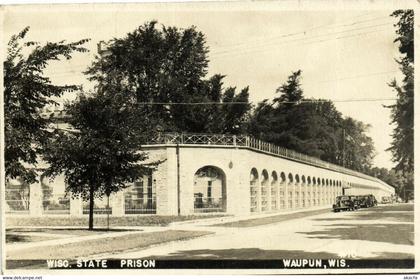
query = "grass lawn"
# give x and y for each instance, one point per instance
(273, 219)
(133, 241)
(101, 221)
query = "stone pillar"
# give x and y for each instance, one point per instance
(309, 192)
(283, 185)
(167, 188)
(268, 189)
(318, 194)
(292, 193)
(76, 207)
(279, 197)
(35, 199)
(116, 202)
(300, 199)
(258, 186)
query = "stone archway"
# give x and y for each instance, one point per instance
(209, 190)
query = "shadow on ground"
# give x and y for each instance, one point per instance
(272, 219)
(245, 254)
(393, 256)
(389, 233)
(11, 238)
(399, 213)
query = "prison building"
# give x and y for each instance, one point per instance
(204, 174)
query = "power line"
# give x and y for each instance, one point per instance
(282, 102)
(296, 42)
(268, 39)
(354, 77)
(256, 49)
(325, 81)
(322, 35)
(302, 32)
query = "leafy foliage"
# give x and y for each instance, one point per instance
(163, 71)
(100, 154)
(313, 127)
(26, 92)
(403, 188)
(405, 32)
(402, 112)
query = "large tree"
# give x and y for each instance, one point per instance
(26, 92)
(311, 126)
(163, 70)
(402, 112)
(100, 153)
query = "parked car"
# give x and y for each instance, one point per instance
(343, 202)
(367, 201)
(373, 200)
(356, 201)
(386, 200)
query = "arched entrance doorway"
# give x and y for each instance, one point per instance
(209, 190)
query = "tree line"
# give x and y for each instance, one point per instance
(155, 79)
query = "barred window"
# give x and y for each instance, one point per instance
(55, 200)
(140, 198)
(17, 196)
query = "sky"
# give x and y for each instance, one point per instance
(344, 55)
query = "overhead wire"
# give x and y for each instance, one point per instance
(265, 38)
(282, 102)
(263, 48)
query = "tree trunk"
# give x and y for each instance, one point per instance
(91, 203)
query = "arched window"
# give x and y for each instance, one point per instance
(274, 178)
(254, 189)
(283, 177)
(274, 190)
(264, 190)
(290, 178)
(282, 203)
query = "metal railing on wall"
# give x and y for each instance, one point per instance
(249, 142)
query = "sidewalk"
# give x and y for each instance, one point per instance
(210, 224)
(230, 219)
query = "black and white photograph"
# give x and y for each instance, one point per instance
(256, 137)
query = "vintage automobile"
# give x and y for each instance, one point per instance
(367, 201)
(343, 202)
(386, 200)
(374, 201)
(356, 201)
